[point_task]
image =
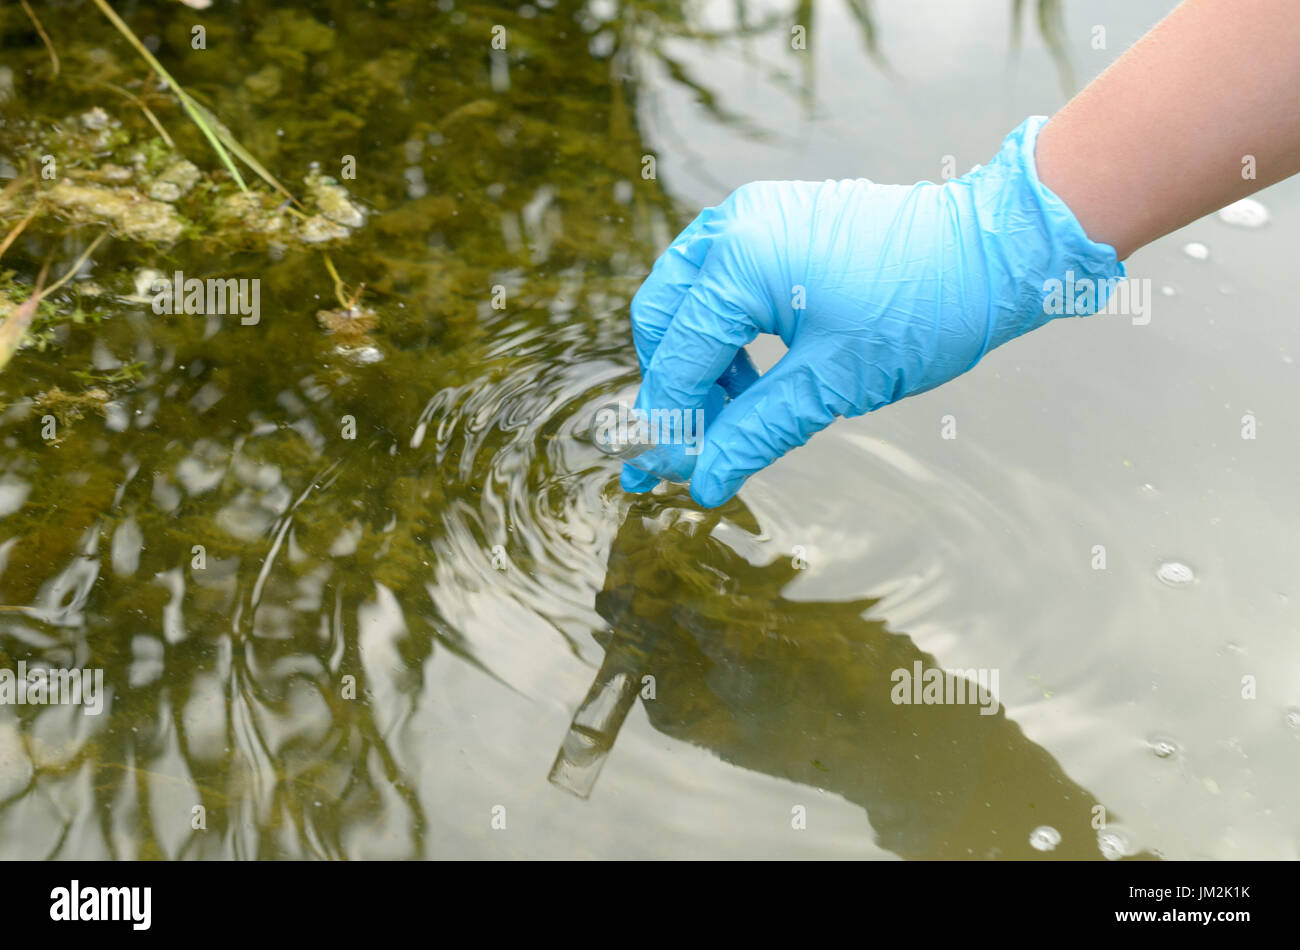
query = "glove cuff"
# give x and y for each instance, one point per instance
(1034, 245)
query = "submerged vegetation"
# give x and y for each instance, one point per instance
(139, 438)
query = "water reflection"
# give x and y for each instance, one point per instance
(267, 545)
(804, 691)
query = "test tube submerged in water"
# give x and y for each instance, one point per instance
(595, 726)
(663, 442)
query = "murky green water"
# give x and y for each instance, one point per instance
(348, 606)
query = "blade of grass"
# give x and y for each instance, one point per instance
(54, 57)
(148, 113)
(13, 188)
(239, 151)
(18, 229)
(72, 271)
(339, 289)
(188, 103)
(16, 324)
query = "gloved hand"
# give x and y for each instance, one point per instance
(879, 292)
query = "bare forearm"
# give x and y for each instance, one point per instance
(1173, 130)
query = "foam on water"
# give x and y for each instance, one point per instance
(1246, 213)
(1045, 838)
(1175, 573)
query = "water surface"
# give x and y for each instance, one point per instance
(390, 633)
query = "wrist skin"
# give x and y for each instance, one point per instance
(1202, 111)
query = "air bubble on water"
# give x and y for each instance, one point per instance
(1175, 573)
(1246, 213)
(1196, 251)
(1044, 838)
(1163, 747)
(1114, 843)
(1150, 490)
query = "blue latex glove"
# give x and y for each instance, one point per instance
(902, 288)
